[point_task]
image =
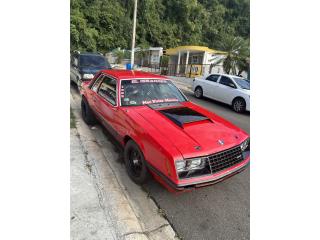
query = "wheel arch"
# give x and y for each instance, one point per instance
(239, 97)
(198, 86)
(129, 137)
(126, 139)
(84, 98)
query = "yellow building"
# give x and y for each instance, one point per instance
(193, 61)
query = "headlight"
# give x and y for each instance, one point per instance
(245, 144)
(87, 76)
(180, 165)
(191, 164)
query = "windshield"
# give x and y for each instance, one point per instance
(93, 61)
(148, 91)
(243, 83)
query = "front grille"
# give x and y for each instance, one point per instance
(224, 159)
(216, 162)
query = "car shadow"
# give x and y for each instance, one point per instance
(117, 147)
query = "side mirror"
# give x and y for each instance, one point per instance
(232, 85)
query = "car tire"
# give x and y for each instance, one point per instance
(135, 163)
(198, 92)
(239, 105)
(86, 112)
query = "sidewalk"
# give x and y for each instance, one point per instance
(89, 220)
(105, 204)
(183, 83)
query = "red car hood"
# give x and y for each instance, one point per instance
(197, 138)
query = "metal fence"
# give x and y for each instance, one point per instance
(183, 70)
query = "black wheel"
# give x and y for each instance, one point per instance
(198, 92)
(87, 113)
(135, 163)
(239, 105)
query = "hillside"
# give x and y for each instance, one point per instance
(102, 25)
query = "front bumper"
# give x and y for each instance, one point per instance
(202, 180)
(248, 105)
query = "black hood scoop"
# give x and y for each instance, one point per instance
(182, 115)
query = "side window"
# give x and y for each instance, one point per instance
(97, 83)
(213, 78)
(108, 90)
(227, 81)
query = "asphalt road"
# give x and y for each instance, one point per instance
(220, 211)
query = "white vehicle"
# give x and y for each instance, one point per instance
(229, 89)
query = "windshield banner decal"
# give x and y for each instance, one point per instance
(160, 101)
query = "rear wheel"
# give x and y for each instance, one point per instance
(135, 163)
(87, 113)
(239, 105)
(198, 92)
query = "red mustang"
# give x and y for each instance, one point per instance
(181, 144)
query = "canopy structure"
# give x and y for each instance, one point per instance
(181, 49)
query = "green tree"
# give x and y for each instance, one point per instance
(142, 52)
(237, 54)
(119, 55)
(102, 25)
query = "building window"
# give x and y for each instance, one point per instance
(195, 59)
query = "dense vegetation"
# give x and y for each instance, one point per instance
(102, 25)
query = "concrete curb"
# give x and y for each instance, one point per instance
(114, 199)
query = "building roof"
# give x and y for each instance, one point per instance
(137, 49)
(174, 51)
(131, 74)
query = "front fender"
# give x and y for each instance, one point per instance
(158, 151)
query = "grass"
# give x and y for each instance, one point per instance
(72, 119)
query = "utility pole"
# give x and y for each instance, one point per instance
(134, 32)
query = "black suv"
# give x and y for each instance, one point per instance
(84, 66)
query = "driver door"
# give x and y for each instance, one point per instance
(106, 104)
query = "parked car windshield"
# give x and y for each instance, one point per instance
(93, 61)
(139, 92)
(243, 83)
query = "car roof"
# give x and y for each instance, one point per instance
(229, 75)
(224, 74)
(131, 74)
